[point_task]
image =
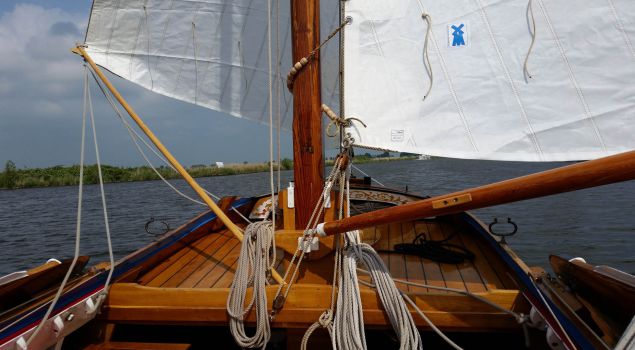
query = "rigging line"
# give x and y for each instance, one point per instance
(572, 77)
(78, 223)
(620, 26)
(512, 85)
(136, 137)
(103, 199)
(278, 90)
(531, 23)
(426, 59)
(271, 179)
(363, 173)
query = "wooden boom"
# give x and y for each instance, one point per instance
(175, 163)
(603, 171)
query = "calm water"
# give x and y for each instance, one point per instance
(597, 224)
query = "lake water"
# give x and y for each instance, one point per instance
(597, 224)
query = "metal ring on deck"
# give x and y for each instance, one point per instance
(148, 230)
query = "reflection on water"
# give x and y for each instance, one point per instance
(597, 224)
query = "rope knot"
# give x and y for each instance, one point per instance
(326, 318)
(338, 122)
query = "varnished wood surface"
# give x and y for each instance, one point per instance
(129, 302)
(210, 261)
(598, 172)
(308, 165)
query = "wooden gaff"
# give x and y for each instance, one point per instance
(175, 163)
(598, 172)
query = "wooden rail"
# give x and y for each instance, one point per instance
(603, 171)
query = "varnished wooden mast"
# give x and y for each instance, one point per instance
(308, 169)
(175, 163)
(603, 171)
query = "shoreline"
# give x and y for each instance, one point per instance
(59, 176)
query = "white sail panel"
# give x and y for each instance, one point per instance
(212, 53)
(578, 104)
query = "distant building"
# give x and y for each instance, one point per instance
(220, 164)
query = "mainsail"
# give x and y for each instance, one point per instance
(213, 53)
(574, 101)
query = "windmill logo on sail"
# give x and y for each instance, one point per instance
(458, 35)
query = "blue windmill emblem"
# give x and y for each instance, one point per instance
(458, 35)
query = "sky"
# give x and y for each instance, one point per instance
(41, 85)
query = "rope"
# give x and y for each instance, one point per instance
(304, 61)
(426, 59)
(134, 135)
(532, 31)
(394, 305)
(78, 220)
(271, 181)
(256, 255)
(372, 178)
(338, 122)
(102, 296)
(309, 233)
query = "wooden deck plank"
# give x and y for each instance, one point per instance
(414, 266)
(191, 252)
(397, 262)
(467, 269)
(485, 270)
(202, 257)
(161, 267)
(214, 272)
(431, 269)
(451, 274)
(497, 265)
(227, 276)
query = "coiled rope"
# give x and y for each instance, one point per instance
(256, 256)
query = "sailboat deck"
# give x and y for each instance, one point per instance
(192, 284)
(210, 261)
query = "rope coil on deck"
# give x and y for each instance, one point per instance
(256, 256)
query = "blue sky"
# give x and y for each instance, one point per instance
(41, 100)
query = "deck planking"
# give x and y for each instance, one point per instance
(210, 262)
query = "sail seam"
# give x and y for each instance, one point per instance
(112, 30)
(135, 47)
(620, 27)
(572, 77)
(446, 74)
(187, 48)
(512, 85)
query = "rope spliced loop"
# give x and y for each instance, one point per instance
(338, 122)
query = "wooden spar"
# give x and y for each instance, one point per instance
(308, 165)
(175, 163)
(603, 171)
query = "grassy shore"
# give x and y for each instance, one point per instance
(13, 178)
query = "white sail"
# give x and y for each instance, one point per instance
(212, 53)
(578, 104)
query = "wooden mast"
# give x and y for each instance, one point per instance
(592, 173)
(308, 168)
